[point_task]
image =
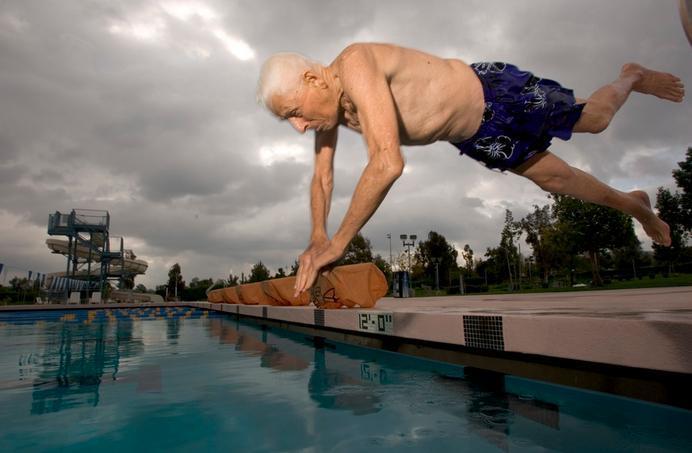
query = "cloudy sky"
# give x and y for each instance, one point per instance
(147, 109)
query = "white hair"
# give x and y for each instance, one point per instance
(280, 74)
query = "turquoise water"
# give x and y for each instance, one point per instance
(186, 379)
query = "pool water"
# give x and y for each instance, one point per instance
(183, 379)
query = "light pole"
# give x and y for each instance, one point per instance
(530, 262)
(389, 236)
(436, 261)
(176, 286)
(408, 245)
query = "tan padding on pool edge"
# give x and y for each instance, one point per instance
(215, 297)
(252, 294)
(281, 290)
(228, 295)
(354, 285)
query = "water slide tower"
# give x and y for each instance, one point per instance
(93, 256)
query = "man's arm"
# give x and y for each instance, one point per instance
(322, 184)
(366, 85)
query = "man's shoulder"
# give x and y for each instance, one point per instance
(376, 57)
(370, 50)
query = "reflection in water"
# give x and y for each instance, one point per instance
(347, 380)
(366, 382)
(74, 362)
(330, 387)
(333, 389)
(86, 348)
(491, 409)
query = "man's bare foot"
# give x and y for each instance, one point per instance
(655, 228)
(660, 84)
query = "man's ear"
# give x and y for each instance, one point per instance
(311, 78)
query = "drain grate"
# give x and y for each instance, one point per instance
(484, 332)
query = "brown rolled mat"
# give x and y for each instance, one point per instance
(349, 286)
(230, 295)
(251, 294)
(216, 296)
(281, 290)
(354, 285)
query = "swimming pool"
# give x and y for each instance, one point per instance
(178, 379)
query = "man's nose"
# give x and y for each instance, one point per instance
(299, 124)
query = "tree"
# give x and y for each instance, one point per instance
(592, 228)
(675, 208)
(628, 259)
(197, 290)
(18, 284)
(359, 250)
(401, 261)
(493, 269)
(670, 210)
(436, 246)
(201, 283)
(467, 255)
(280, 273)
(140, 288)
(176, 284)
(542, 235)
(383, 265)
(232, 280)
(258, 273)
(683, 179)
(294, 268)
(511, 254)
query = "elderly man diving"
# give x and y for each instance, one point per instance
(493, 112)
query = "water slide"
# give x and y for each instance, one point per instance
(131, 265)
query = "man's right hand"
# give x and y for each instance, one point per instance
(318, 254)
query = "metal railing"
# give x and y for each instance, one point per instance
(78, 220)
(90, 217)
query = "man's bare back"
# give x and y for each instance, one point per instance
(436, 99)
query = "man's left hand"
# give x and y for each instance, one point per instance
(310, 263)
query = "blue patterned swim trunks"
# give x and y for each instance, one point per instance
(522, 115)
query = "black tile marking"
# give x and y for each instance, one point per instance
(319, 317)
(484, 332)
(264, 312)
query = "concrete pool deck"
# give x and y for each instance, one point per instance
(636, 343)
(640, 328)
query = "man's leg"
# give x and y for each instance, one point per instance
(554, 175)
(602, 105)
